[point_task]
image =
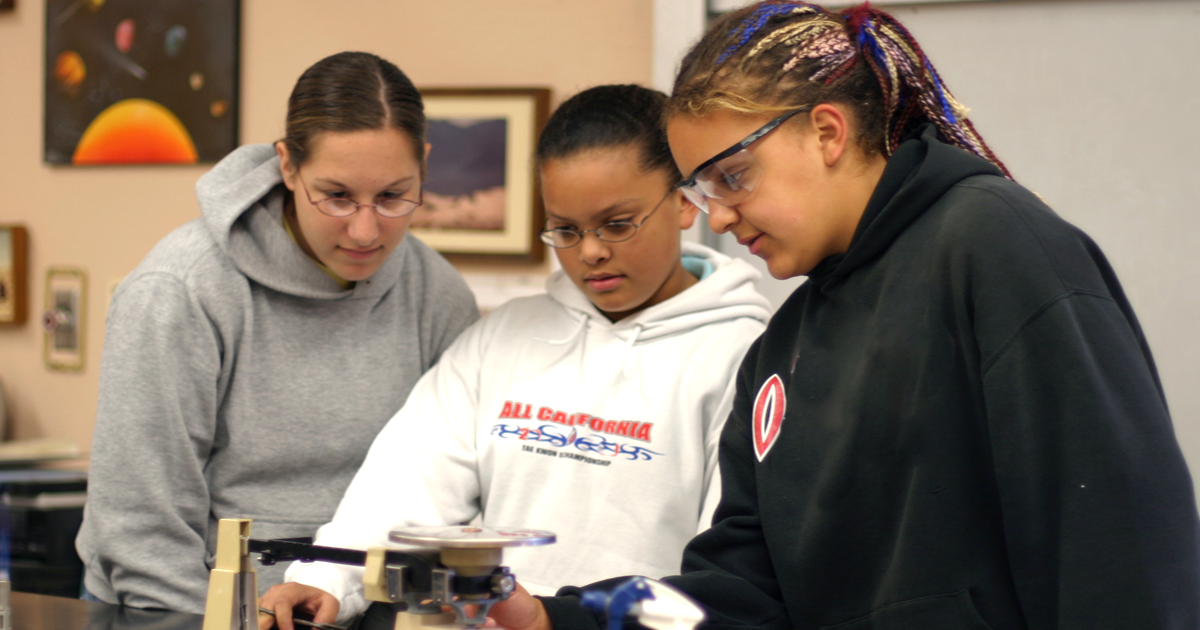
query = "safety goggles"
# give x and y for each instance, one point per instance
(731, 175)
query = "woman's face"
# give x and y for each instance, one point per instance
(798, 213)
(366, 166)
(589, 189)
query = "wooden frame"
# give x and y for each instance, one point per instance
(14, 275)
(65, 319)
(481, 195)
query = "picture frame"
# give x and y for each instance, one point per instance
(481, 198)
(14, 307)
(65, 319)
(8, 5)
(140, 81)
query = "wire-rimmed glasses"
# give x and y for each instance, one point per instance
(611, 232)
(391, 207)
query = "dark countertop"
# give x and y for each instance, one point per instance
(43, 612)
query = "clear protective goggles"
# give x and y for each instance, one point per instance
(731, 175)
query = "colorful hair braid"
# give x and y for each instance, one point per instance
(756, 20)
(780, 55)
(898, 63)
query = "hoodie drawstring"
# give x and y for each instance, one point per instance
(637, 330)
(626, 367)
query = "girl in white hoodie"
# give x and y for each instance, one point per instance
(592, 411)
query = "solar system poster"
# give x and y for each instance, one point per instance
(141, 81)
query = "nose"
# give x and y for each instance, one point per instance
(721, 218)
(363, 227)
(592, 250)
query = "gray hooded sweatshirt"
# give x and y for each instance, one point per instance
(240, 380)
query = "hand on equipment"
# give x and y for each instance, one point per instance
(521, 611)
(277, 604)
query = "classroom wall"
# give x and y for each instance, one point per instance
(105, 219)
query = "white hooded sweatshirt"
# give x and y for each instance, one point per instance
(546, 415)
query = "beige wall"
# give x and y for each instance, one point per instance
(105, 219)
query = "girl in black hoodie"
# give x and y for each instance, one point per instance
(956, 422)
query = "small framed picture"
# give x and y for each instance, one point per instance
(13, 275)
(65, 319)
(480, 196)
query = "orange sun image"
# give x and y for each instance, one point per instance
(135, 131)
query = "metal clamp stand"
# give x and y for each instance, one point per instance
(232, 584)
(469, 573)
(459, 568)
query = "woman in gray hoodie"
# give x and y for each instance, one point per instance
(253, 355)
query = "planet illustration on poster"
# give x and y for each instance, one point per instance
(196, 80)
(135, 131)
(124, 35)
(174, 41)
(69, 71)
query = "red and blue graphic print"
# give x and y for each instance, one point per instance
(769, 405)
(593, 444)
(561, 430)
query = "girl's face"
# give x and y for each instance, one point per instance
(809, 199)
(367, 166)
(587, 190)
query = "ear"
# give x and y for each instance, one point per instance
(687, 211)
(427, 148)
(832, 130)
(286, 170)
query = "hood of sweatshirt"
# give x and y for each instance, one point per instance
(727, 292)
(910, 183)
(242, 200)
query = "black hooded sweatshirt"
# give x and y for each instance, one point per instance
(970, 433)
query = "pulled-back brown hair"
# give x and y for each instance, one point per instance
(353, 91)
(777, 56)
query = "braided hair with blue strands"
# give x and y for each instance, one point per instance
(752, 24)
(777, 55)
(895, 54)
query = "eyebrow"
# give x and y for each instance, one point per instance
(607, 212)
(333, 182)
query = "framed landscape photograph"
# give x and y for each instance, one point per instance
(140, 81)
(480, 196)
(13, 275)
(65, 319)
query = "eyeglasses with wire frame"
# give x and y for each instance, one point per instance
(731, 175)
(391, 206)
(611, 232)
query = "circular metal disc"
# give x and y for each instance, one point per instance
(467, 537)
